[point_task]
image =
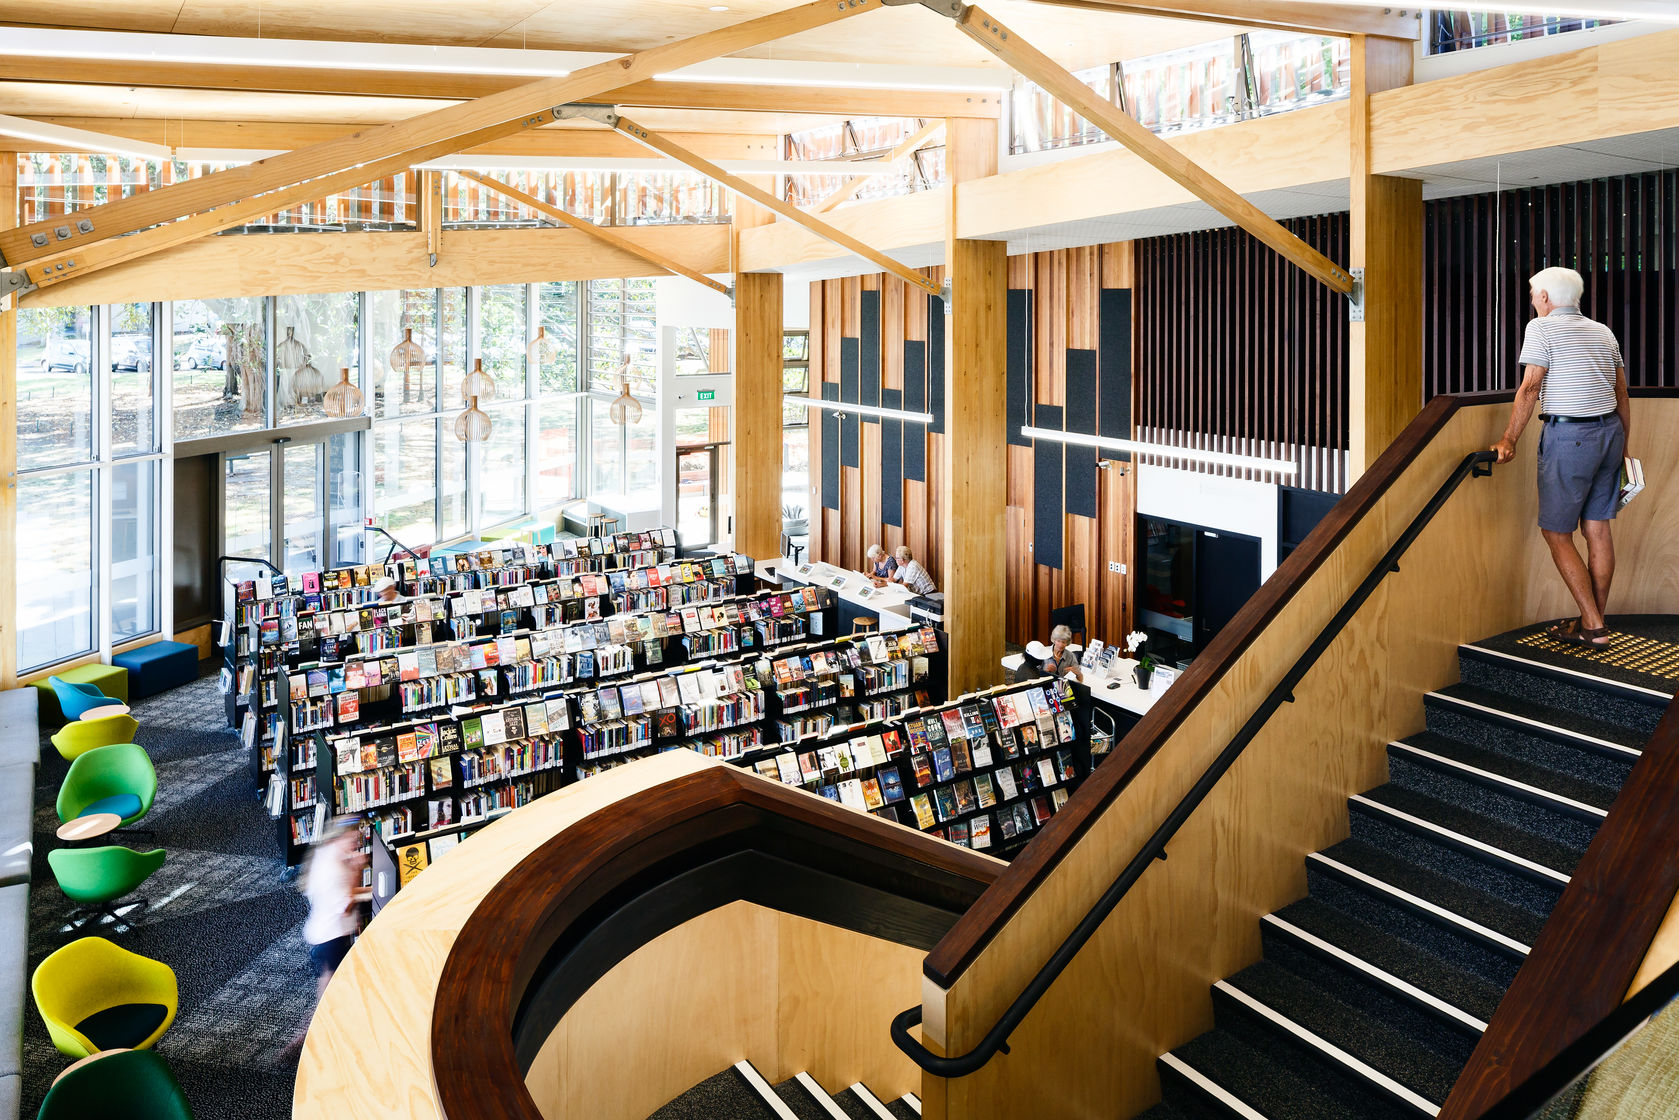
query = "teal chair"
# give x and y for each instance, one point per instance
(131, 1084)
(115, 779)
(74, 699)
(97, 877)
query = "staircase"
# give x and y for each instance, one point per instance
(1375, 988)
(742, 1093)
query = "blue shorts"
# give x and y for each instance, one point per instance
(1579, 472)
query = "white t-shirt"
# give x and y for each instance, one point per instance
(331, 913)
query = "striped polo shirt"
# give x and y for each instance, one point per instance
(1579, 355)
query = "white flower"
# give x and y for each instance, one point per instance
(1133, 640)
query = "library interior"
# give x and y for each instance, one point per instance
(839, 560)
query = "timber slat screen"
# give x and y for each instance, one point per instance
(1233, 340)
(1622, 234)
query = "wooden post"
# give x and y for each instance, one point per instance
(755, 458)
(974, 494)
(8, 440)
(431, 212)
(1385, 350)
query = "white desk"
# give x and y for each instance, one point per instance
(890, 604)
(1117, 686)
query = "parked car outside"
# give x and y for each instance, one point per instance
(208, 352)
(65, 354)
(132, 353)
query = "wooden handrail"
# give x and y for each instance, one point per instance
(506, 978)
(1597, 935)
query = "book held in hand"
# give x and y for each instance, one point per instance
(1632, 482)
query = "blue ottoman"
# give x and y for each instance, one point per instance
(158, 667)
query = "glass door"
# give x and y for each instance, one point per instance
(302, 507)
(696, 495)
(248, 504)
(296, 503)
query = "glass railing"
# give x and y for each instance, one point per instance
(1459, 30)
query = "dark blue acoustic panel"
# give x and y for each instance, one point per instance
(1019, 361)
(870, 357)
(830, 449)
(850, 430)
(1081, 417)
(915, 400)
(1046, 489)
(1113, 354)
(891, 461)
(935, 361)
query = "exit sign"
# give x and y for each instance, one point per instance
(706, 395)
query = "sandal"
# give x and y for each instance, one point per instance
(1563, 630)
(1581, 636)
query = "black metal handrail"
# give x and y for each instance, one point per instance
(221, 563)
(395, 544)
(1477, 464)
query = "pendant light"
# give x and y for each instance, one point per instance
(625, 409)
(542, 349)
(308, 381)
(478, 383)
(472, 425)
(343, 399)
(406, 357)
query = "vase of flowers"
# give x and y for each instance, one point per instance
(1144, 672)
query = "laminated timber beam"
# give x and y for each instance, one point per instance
(599, 233)
(768, 201)
(454, 128)
(1033, 64)
(909, 147)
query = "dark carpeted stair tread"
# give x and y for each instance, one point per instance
(1575, 686)
(1347, 1028)
(1657, 628)
(1538, 848)
(1275, 1091)
(1558, 718)
(852, 1105)
(1459, 898)
(1434, 974)
(1434, 776)
(796, 1097)
(722, 1096)
(1542, 770)
(902, 1109)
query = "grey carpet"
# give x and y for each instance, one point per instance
(221, 916)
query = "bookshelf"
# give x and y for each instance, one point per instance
(852, 680)
(986, 771)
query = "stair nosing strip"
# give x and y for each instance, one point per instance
(1460, 838)
(1404, 987)
(1212, 1088)
(1466, 924)
(1500, 779)
(764, 1090)
(914, 1102)
(1606, 682)
(870, 1101)
(820, 1096)
(1501, 713)
(1369, 1072)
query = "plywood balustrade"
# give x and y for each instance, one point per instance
(1056, 300)
(1193, 919)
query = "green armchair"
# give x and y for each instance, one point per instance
(131, 1084)
(115, 779)
(98, 877)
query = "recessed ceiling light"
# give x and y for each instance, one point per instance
(718, 8)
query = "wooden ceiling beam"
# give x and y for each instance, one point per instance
(768, 201)
(467, 87)
(599, 233)
(1397, 22)
(910, 146)
(440, 132)
(1060, 83)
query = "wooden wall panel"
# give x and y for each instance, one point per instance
(1066, 286)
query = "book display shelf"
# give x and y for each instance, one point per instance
(446, 735)
(986, 771)
(854, 680)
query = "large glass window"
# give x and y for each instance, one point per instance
(606, 450)
(623, 334)
(344, 496)
(405, 478)
(56, 592)
(54, 386)
(315, 338)
(133, 380)
(556, 452)
(133, 549)
(402, 347)
(220, 366)
(501, 489)
(559, 315)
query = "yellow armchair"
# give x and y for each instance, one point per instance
(94, 995)
(79, 736)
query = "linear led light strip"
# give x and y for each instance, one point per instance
(871, 410)
(1164, 450)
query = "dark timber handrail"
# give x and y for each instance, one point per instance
(603, 887)
(1477, 464)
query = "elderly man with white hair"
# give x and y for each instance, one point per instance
(1574, 373)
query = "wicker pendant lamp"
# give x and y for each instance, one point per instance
(542, 349)
(407, 354)
(625, 409)
(478, 384)
(308, 381)
(343, 399)
(472, 425)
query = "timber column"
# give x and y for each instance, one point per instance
(1385, 350)
(974, 493)
(755, 438)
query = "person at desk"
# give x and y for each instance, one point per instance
(1058, 660)
(384, 590)
(879, 566)
(910, 574)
